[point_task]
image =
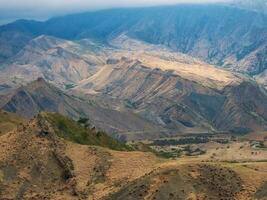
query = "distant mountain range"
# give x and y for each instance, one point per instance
(220, 34)
(149, 68)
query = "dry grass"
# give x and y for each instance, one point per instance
(100, 173)
(9, 121)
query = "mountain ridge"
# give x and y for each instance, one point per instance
(131, 84)
(38, 96)
(182, 101)
(234, 46)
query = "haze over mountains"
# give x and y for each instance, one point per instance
(183, 28)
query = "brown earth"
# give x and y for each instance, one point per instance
(36, 164)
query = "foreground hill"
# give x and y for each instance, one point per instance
(37, 163)
(80, 132)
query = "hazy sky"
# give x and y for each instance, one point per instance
(11, 10)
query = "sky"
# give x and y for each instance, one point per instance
(11, 10)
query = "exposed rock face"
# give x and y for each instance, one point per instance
(38, 96)
(245, 106)
(51, 58)
(171, 99)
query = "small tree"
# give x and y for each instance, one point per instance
(84, 122)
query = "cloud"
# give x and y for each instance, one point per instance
(43, 9)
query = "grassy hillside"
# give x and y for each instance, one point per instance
(8, 121)
(77, 132)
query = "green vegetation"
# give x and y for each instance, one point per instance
(162, 154)
(69, 86)
(182, 141)
(84, 122)
(240, 131)
(170, 154)
(258, 145)
(139, 146)
(192, 152)
(129, 104)
(75, 132)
